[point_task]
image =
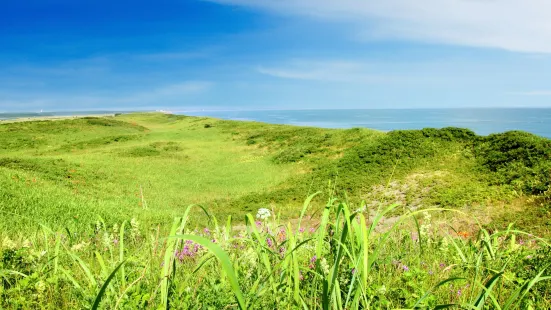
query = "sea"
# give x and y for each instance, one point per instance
(482, 121)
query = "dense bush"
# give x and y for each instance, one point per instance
(517, 158)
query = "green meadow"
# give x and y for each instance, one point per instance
(157, 211)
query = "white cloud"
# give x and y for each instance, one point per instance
(516, 25)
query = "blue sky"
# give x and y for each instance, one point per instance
(267, 54)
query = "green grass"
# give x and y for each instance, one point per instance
(93, 210)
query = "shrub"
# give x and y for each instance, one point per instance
(517, 158)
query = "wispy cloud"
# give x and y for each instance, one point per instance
(164, 95)
(309, 70)
(533, 93)
(330, 70)
(505, 24)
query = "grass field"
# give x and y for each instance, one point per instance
(403, 219)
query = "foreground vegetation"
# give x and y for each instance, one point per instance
(95, 214)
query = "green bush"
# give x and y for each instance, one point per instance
(517, 158)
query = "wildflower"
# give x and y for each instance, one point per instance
(270, 242)
(135, 228)
(301, 230)
(206, 231)
(115, 242)
(313, 262)
(258, 223)
(106, 239)
(98, 226)
(263, 214)
(282, 235)
(424, 229)
(353, 271)
(463, 234)
(442, 265)
(414, 237)
(431, 272)
(300, 276)
(79, 246)
(324, 266)
(312, 230)
(458, 293)
(406, 268)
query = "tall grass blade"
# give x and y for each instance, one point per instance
(97, 301)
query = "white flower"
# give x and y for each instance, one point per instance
(80, 246)
(135, 230)
(324, 266)
(263, 214)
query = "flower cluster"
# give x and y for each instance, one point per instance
(189, 250)
(263, 214)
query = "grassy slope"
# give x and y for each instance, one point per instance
(65, 173)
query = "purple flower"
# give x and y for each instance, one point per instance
(442, 265)
(406, 268)
(301, 229)
(353, 270)
(458, 293)
(312, 230)
(258, 223)
(270, 242)
(313, 259)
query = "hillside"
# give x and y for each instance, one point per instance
(154, 165)
(158, 211)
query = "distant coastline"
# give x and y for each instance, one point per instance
(26, 117)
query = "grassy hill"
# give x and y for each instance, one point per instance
(86, 176)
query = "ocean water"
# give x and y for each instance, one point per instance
(481, 121)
